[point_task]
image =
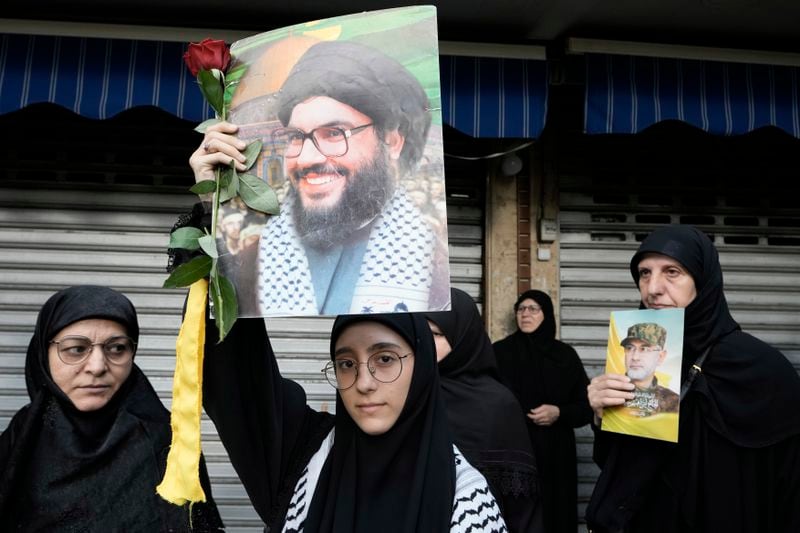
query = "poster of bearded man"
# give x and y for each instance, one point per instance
(349, 113)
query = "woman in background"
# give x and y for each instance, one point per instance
(549, 381)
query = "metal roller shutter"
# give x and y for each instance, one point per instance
(602, 224)
(66, 231)
(53, 239)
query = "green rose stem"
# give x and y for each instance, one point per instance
(217, 88)
(223, 115)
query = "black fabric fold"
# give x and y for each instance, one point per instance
(486, 420)
(269, 431)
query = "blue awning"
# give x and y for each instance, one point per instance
(98, 78)
(626, 94)
(492, 97)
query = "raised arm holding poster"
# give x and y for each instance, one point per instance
(342, 119)
(646, 345)
(348, 113)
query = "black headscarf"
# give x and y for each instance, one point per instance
(61, 468)
(546, 331)
(729, 396)
(404, 479)
(707, 317)
(527, 378)
(486, 420)
(62, 309)
(367, 80)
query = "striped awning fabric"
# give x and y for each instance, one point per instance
(98, 78)
(492, 97)
(626, 94)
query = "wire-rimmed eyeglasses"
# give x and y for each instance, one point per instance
(532, 309)
(331, 141)
(76, 349)
(385, 366)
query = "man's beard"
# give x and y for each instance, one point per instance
(364, 196)
(640, 373)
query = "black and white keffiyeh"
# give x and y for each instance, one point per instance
(396, 272)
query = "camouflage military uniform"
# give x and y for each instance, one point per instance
(652, 400)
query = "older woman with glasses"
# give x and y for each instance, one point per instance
(88, 451)
(548, 379)
(384, 462)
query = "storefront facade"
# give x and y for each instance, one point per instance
(93, 198)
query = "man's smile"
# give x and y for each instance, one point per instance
(320, 180)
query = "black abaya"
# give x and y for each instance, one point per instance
(62, 469)
(542, 370)
(736, 466)
(485, 418)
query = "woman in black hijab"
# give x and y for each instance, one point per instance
(548, 378)
(485, 417)
(385, 462)
(736, 466)
(88, 451)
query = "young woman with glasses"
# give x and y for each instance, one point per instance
(384, 462)
(88, 451)
(549, 381)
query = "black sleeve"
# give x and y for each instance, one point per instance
(262, 418)
(205, 516)
(601, 446)
(199, 217)
(576, 411)
(501, 358)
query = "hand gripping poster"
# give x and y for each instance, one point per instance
(348, 112)
(647, 346)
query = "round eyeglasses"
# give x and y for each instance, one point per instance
(331, 141)
(74, 350)
(533, 309)
(384, 367)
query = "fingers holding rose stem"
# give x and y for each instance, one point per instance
(219, 146)
(608, 390)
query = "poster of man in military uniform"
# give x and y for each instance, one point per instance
(649, 354)
(644, 352)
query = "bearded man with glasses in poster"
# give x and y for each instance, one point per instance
(348, 239)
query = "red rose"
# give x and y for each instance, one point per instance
(206, 55)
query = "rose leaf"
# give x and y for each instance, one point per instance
(209, 245)
(226, 309)
(258, 195)
(189, 272)
(185, 238)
